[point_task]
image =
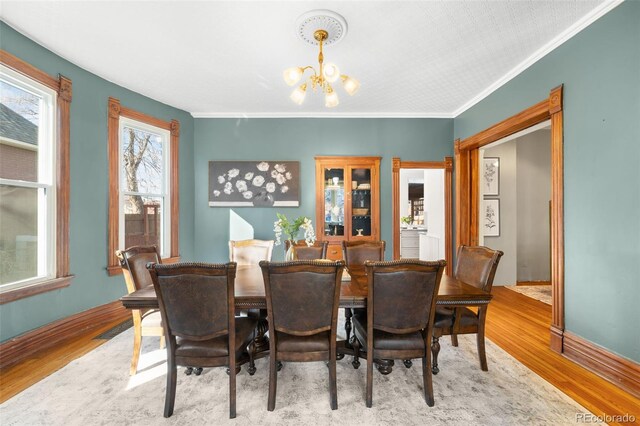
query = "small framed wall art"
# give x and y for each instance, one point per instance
(491, 176)
(491, 218)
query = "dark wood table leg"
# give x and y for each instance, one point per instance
(347, 328)
(385, 366)
(261, 340)
(348, 313)
(435, 349)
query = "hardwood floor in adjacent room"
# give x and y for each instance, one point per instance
(518, 324)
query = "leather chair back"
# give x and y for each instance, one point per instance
(250, 252)
(301, 251)
(477, 266)
(134, 265)
(196, 299)
(358, 252)
(302, 296)
(403, 294)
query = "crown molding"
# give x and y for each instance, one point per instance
(586, 20)
(312, 114)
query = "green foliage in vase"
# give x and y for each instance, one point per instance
(291, 228)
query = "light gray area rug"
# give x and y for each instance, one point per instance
(97, 390)
(538, 292)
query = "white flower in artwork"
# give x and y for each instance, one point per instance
(288, 175)
(284, 189)
(258, 180)
(216, 193)
(241, 185)
(271, 187)
(228, 188)
(221, 179)
(248, 176)
(280, 168)
(274, 173)
(280, 178)
(263, 166)
(233, 173)
(247, 195)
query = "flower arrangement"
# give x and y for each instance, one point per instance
(291, 228)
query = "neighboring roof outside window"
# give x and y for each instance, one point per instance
(16, 127)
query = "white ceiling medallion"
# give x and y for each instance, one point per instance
(321, 19)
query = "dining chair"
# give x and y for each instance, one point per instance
(310, 287)
(198, 314)
(301, 251)
(145, 322)
(250, 252)
(355, 254)
(401, 304)
(476, 266)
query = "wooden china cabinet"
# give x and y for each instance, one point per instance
(347, 201)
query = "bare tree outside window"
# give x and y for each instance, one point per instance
(143, 171)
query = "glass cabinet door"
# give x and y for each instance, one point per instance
(361, 205)
(334, 183)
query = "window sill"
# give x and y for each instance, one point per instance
(117, 269)
(33, 289)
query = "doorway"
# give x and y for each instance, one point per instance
(422, 206)
(468, 197)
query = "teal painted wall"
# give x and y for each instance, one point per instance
(301, 139)
(89, 189)
(600, 69)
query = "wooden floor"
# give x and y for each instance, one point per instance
(518, 324)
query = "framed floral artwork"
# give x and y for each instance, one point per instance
(491, 175)
(254, 183)
(491, 218)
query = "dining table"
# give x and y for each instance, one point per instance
(250, 297)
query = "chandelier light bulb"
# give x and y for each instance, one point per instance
(350, 84)
(292, 75)
(331, 98)
(331, 72)
(299, 94)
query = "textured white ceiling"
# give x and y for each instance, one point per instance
(222, 58)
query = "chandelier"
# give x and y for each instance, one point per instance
(320, 27)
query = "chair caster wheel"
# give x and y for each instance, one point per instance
(407, 363)
(251, 370)
(188, 371)
(279, 365)
(339, 356)
(198, 371)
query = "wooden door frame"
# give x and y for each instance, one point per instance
(466, 154)
(447, 165)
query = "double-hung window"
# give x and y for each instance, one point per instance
(34, 140)
(143, 182)
(144, 186)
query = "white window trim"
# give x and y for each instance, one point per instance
(165, 242)
(47, 146)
